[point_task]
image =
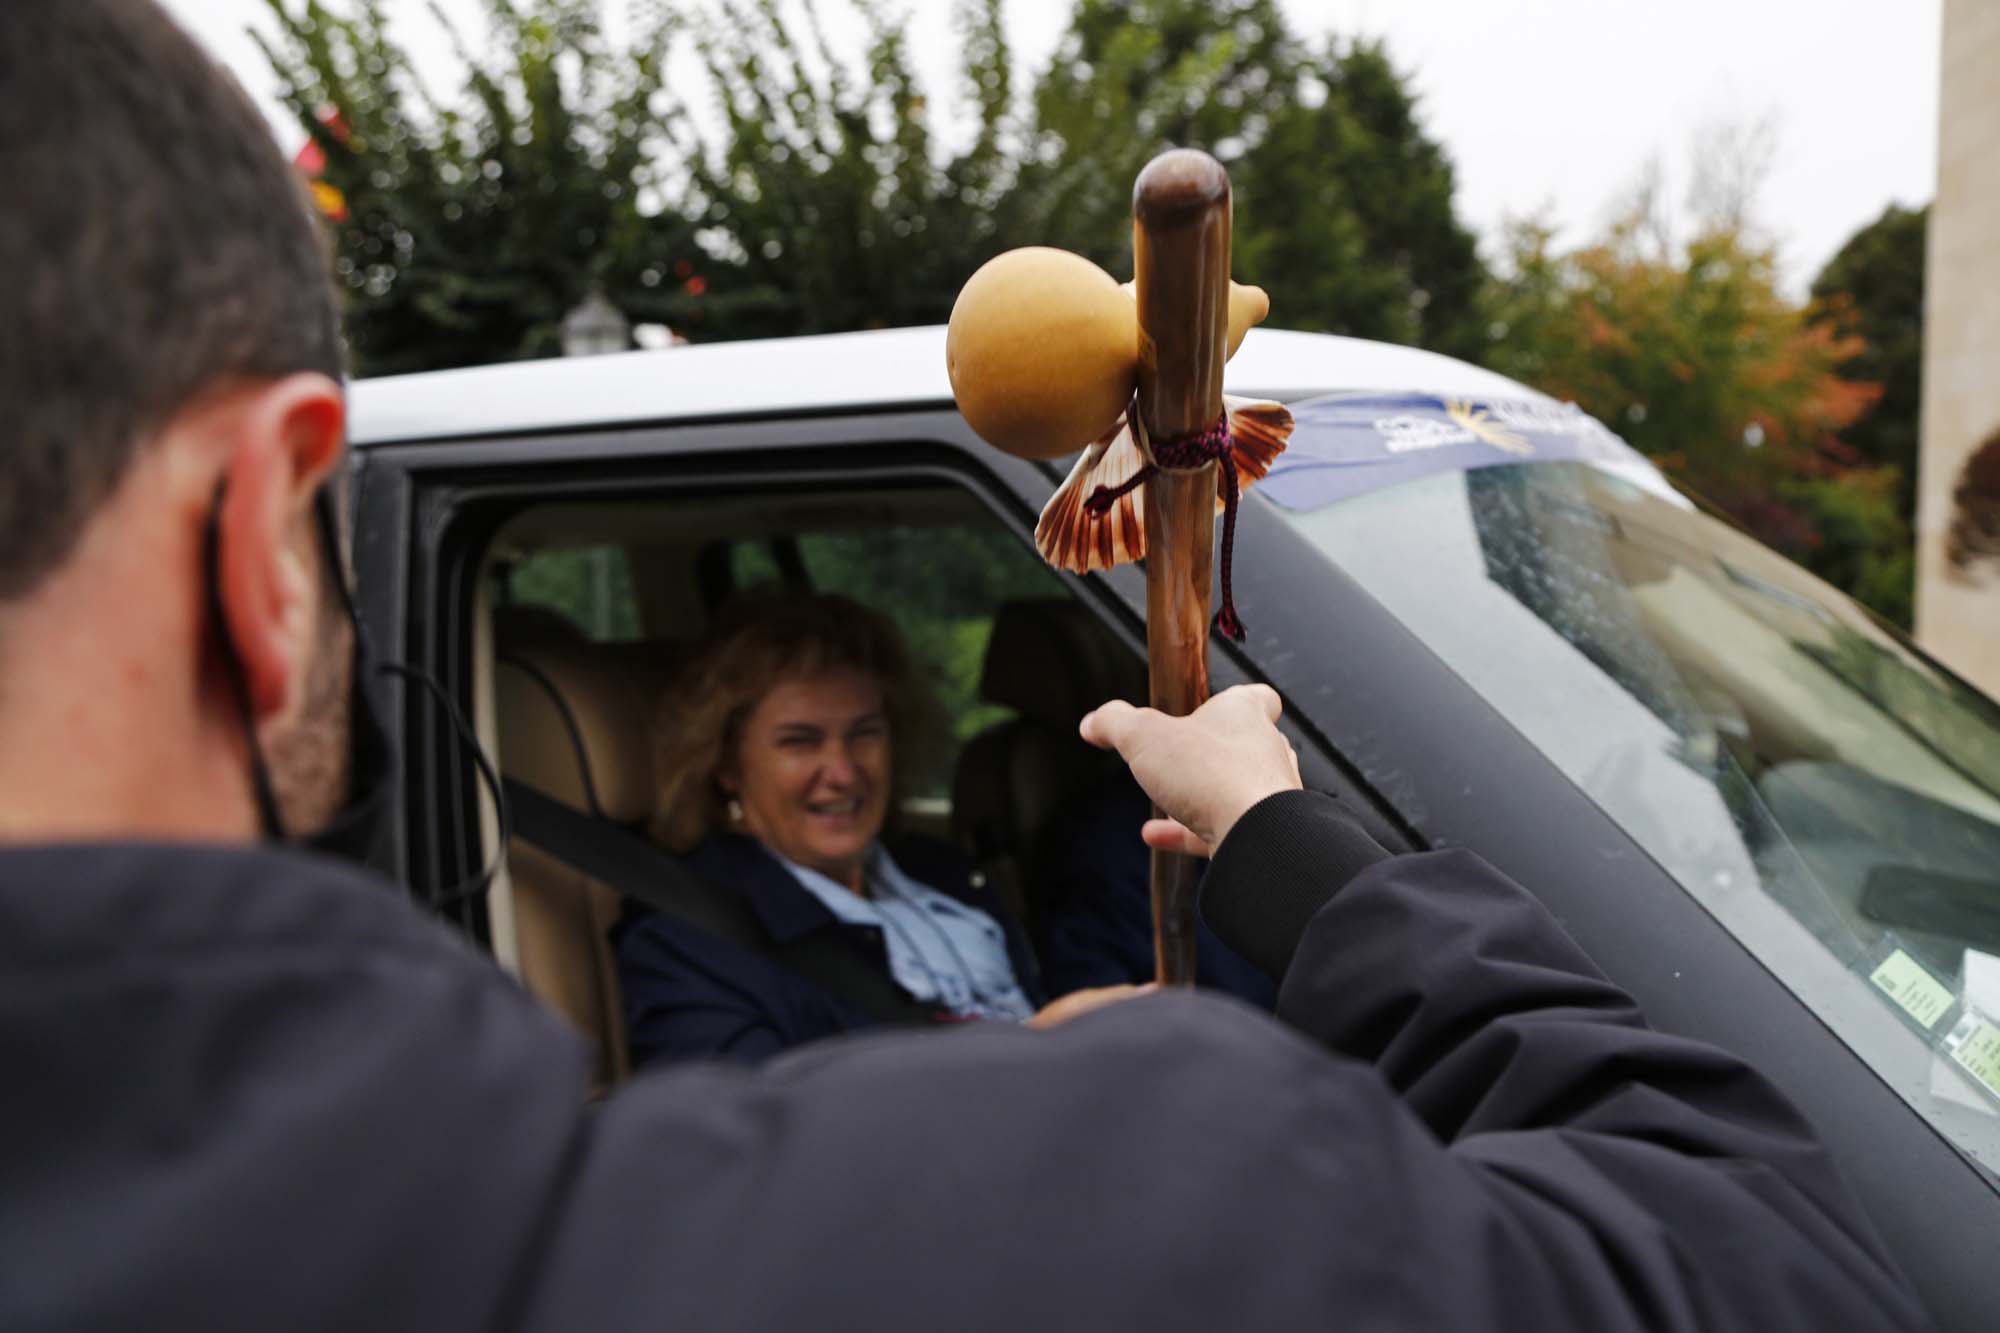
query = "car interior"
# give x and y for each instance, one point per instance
(588, 611)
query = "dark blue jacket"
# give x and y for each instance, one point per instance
(1097, 926)
(689, 994)
(252, 1090)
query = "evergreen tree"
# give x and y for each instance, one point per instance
(784, 192)
(823, 196)
(1873, 291)
(1347, 213)
(1343, 206)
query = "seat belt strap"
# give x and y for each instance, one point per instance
(636, 869)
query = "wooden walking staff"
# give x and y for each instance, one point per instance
(1180, 262)
(1047, 354)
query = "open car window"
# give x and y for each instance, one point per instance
(1831, 795)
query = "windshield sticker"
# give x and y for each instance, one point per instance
(1974, 1046)
(1344, 445)
(1916, 992)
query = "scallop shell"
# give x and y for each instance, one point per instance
(1071, 538)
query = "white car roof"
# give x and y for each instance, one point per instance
(889, 368)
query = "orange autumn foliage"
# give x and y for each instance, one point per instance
(1694, 356)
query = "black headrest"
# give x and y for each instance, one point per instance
(1052, 660)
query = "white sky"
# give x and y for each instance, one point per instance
(1547, 106)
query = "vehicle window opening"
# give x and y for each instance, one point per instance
(596, 608)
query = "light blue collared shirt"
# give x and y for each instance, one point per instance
(941, 951)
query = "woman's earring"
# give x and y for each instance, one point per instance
(735, 811)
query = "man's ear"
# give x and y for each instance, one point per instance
(288, 436)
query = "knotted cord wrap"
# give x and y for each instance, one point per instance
(1100, 501)
(1212, 444)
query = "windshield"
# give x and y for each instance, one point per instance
(1827, 792)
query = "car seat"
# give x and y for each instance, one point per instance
(574, 723)
(1051, 661)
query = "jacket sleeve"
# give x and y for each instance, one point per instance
(1651, 1162)
(1480, 1134)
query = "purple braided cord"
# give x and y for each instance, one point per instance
(1212, 444)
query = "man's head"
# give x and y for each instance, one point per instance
(169, 367)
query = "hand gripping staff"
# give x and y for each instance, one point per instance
(1048, 354)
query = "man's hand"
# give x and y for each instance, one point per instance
(1204, 769)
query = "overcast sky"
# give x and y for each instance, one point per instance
(1548, 106)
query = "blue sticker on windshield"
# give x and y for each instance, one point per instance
(1349, 444)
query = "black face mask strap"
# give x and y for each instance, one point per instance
(268, 815)
(476, 884)
(371, 757)
(330, 551)
(473, 885)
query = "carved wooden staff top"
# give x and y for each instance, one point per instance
(1046, 352)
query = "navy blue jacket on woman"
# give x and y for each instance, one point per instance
(688, 994)
(1096, 927)
(250, 1089)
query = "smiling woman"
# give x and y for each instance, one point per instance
(787, 682)
(809, 777)
(779, 753)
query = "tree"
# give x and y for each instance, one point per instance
(1128, 80)
(1348, 213)
(476, 220)
(1872, 292)
(1343, 206)
(782, 191)
(822, 197)
(1694, 356)
(473, 223)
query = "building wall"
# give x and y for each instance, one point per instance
(1958, 613)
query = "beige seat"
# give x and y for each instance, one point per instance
(1050, 661)
(574, 721)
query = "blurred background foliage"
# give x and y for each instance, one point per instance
(774, 186)
(1796, 420)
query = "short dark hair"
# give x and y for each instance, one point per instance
(154, 243)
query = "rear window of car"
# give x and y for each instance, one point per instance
(1829, 793)
(589, 586)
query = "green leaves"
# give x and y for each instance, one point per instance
(1343, 206)
(476, 220)
(1694, 356)
(778, 188)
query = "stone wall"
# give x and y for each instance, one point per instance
(1958, 611)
